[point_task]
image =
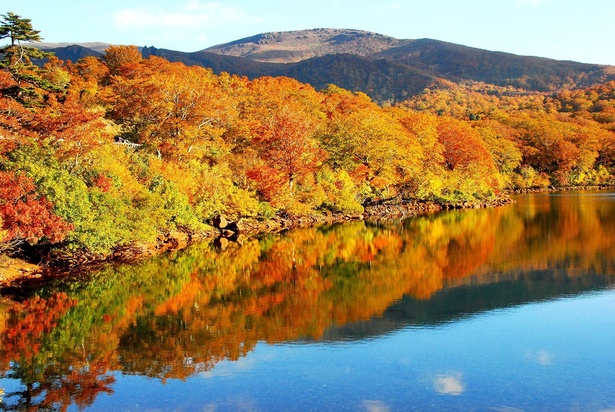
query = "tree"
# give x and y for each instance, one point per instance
(118, 56)
(18, 29)
(26, 216)
(178, 110)
(369, 142)
(288, 145)
(17, 58)
(281, 119)
(470, 167)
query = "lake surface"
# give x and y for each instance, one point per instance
(505, 309)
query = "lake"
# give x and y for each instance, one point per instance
(503, 309)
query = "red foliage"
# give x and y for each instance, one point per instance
(29, 321)
(269, 181)
(462, 146)
(102, 182)
(26, 215)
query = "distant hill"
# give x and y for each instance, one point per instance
(96, 46)
(218, 63)
(387, 69)
(73, 52)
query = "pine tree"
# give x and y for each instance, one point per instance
(17, 58)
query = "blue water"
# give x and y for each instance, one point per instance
(556, 355)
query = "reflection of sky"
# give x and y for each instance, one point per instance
(375, 406)
(7, 386)
(450, 384)
(542, 357)
(232, 368)
(555, 355)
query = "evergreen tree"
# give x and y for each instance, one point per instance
(17, 58)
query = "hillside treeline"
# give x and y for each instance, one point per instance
(115, 150)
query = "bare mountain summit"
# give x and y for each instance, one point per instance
(295, 46)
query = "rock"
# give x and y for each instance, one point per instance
(220, 222)
(177, 239)
(12, 270)
(242, 226)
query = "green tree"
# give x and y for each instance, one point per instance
(18, 29)
(17, 58)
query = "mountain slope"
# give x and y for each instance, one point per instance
(383, 80)
(454, 62)
(218, 63)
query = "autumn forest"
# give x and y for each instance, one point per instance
(111, 151)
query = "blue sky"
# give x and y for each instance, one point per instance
(579, 30)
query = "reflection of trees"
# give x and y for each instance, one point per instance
(59, 385)
(47, 382)
(567, 232)
(180, 314)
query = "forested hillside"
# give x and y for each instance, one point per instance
(111, 151)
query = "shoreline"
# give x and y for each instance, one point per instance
(552, 189)
(17, 271)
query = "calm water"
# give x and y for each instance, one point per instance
(506, 309)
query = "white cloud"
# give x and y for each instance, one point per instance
(450, 384)
(376, 406)
(542, 357)
(193, 14)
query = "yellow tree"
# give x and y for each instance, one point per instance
(423, 127)
(473, 171)
(369, 142)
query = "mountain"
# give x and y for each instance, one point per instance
(294, 46)
(440, 59)
(389, 70)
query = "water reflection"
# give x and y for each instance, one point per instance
(450, 384)
(182, 314)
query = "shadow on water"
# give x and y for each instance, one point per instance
(449, 305)
(176, 315)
